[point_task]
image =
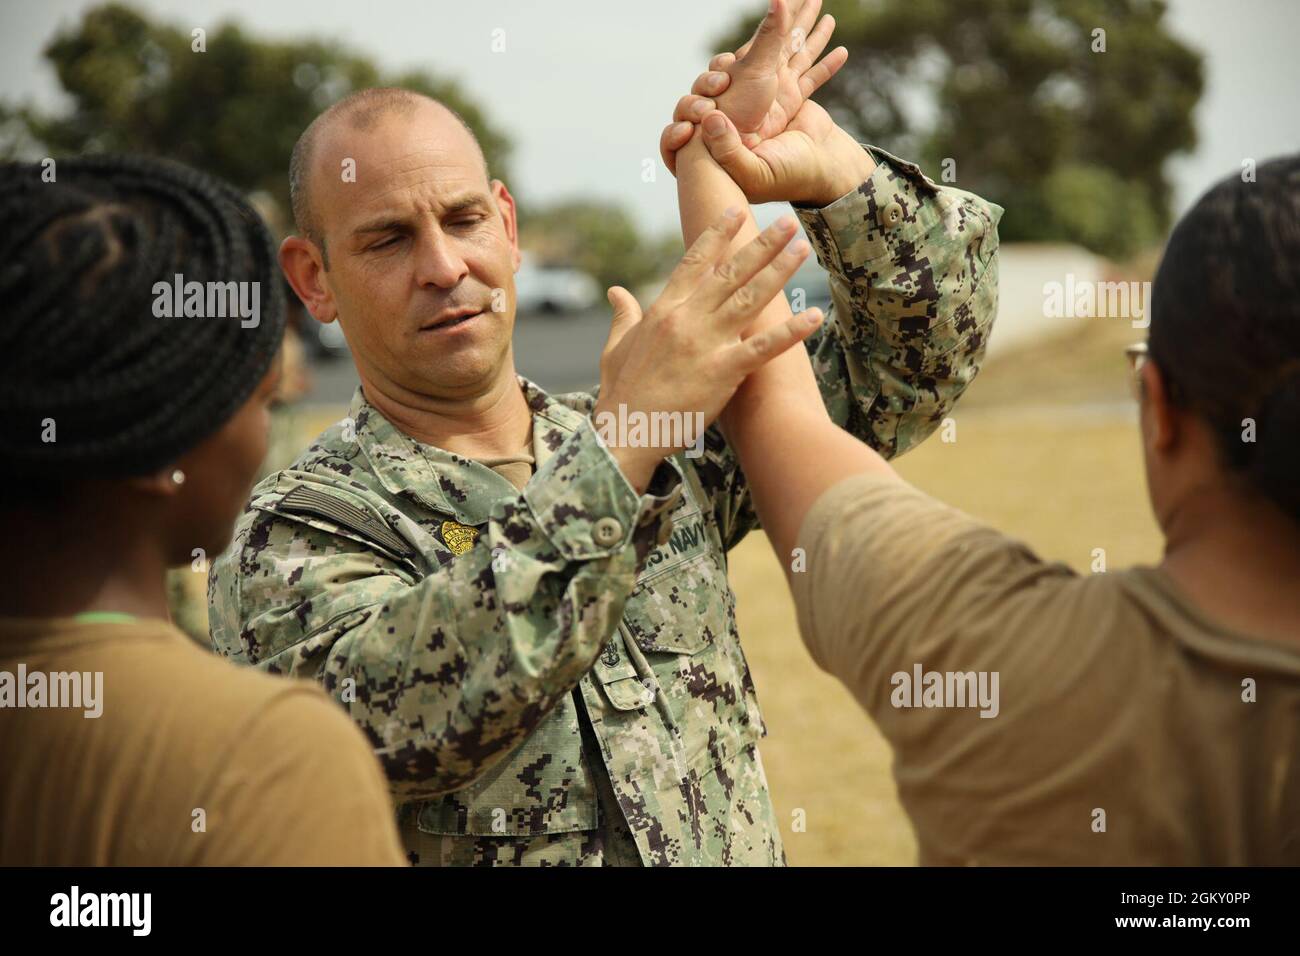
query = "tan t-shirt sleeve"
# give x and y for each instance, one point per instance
(1118, 731)
(897, 580)
(300, 787)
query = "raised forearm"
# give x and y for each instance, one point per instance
(792, 454)
(704, 190)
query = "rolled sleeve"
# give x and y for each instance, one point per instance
(584, 504)
(912, 267)
(897, 206)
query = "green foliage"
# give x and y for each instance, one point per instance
(1072, 142)
(1100, 210)
(235, 110)
(600, 238)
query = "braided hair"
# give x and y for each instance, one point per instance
(1225, 324)
(84, 359)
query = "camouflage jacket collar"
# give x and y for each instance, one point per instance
(446, 482)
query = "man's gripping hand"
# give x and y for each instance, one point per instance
(689, 353)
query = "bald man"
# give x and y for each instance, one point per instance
(534, 626)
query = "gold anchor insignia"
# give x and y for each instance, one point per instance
(458, 537)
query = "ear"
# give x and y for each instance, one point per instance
(506, 204)
(1160, 419)
(159, 484)
(301, 262)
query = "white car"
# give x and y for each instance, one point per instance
(553, 290)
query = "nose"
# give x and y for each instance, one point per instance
(439, 263)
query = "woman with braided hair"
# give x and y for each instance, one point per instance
(130, 440)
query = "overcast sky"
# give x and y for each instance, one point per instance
(585, 86)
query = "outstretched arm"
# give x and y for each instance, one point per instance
(912, 264)
(777, 421)
(792, 453)
(705, 189)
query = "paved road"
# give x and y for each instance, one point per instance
(560, 353)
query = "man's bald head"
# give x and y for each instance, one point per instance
(360, 111)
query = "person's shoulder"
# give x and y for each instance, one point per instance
(244, 711)
(300, 778)
(159, 682)
(332, 490)
(297, 712)
(1173, 615)
(334, 460)
(335, 450)
(205, 683)
(295, 726)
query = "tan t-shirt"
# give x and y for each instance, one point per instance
(191, 761)
(517, 468)
(1124, 727)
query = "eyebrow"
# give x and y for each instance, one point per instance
(389, 221)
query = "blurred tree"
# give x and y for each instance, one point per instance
(599, 238)
(235, 110)
(1072, 141)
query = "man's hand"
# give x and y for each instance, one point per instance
(773, 141)
(688, 354)
(812, 163)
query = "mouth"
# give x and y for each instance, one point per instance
(451, 320)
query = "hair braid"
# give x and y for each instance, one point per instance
(128, 391)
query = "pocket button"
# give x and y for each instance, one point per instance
(606, 532)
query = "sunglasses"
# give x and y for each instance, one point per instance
(1137, 355)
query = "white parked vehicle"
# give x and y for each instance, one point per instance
(554, 290)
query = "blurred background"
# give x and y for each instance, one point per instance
(1092, 141)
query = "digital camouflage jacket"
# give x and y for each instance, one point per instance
(555, 676)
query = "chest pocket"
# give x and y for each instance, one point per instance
(680, 617)
(681, 611)
(673, 607)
